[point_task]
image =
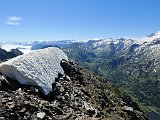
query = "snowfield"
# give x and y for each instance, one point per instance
(39, 68)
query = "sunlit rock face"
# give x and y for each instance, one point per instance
(38, 68)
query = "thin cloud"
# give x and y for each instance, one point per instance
(14, 20)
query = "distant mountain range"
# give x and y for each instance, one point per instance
(27, 46)
(133, 65)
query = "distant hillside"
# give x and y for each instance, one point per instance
(131, 65)
(4, 55)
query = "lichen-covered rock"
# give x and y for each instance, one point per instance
(38, 68)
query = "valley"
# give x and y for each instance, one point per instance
(131, 65)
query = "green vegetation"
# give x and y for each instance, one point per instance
(135, 77)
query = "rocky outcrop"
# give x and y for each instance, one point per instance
(4, 55)
(38, 68)
(77, 95)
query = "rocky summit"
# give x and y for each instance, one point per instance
(76, 95)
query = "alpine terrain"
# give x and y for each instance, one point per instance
(131, 65)
(44, 84)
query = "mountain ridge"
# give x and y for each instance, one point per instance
(134, 68)
(131, 65)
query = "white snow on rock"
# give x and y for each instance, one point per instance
(149, 38)
(39, 67)
(128, 108)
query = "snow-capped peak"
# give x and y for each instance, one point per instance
(156, 34)
(149, 38)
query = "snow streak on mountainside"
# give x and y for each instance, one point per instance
(102, 44)
(98, 43)
(122, 43)
(38, 68)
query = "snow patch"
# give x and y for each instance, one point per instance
(39, 68)
(149, 38)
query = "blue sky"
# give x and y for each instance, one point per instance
(25, 20)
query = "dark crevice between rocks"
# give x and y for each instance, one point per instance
(8, 84)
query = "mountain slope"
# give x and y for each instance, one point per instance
(78, 94)
(75, 94)
(136, 72)
(133, 68)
